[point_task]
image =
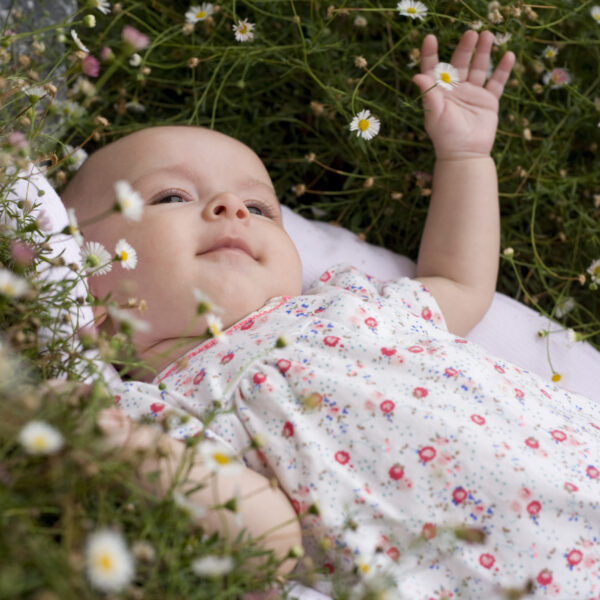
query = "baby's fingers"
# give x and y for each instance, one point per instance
(500, 76)
(481, 59)
(429, 55)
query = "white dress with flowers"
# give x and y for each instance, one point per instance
(406, 437)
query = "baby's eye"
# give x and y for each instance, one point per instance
(170, 199)
(260, 208)
(257, 210)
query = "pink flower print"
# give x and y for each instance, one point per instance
(393, 553)
(519, 393)
(595, 426)
(90, 65)
(544, 577)
(558, 435)
(420, 392)
(450, 372)
(371, 322)
(592, 472)
(388, 351)
(415, 349)
(296, 506)
(227, 358)
(546, 394)
(570, 487)
(247, 324)
(459, 495)
(288, 429)
(135, 38)
(396, 472)
(342, 457)
(499, 369)
(331, 340)
(532, 443)
(427, 453)
(387, 406)
(487, 560)
(428, 531)
(574, 558)
(156, 407)
(524, 493)
(259, 378)
(426, 313)
(283, 365)
(199, 376)
(478, 419)
(326, 276)
(533, 508)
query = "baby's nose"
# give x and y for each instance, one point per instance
(226, 205)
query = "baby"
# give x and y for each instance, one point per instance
(368, 401)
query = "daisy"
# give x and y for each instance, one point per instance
(125, 318)
(129, 202)
(414, 10)
(110, 565)
(557, 77)
(365, 124)
(446, 75)
(244, 30)
(11, 285)
(199, 13)
(595, 12)
(594, 270)
(501, 38)
(212, 566)
(214, 327)
(135, 38)
(74, 158)
(218, 457)
(193, 509)
(550, 52)
(37, 437)
(73, 111)
(34, 93)
(102, 5)
(73, 227)
(95, 257)
(564, 307)
(126, 255)
(205, 304)
(78, 42)
(135, 60)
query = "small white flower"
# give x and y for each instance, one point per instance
(365, 124)
(38, 437)
(414, 10)
(89, 21)
(125, 317)
(35, 93)
(550, 52)
(78, 42)
(205, 304)
(501, 38)
(564, 307)
(243, 30)
(73, 111)
(73, 227)
(214, 327)
(75, 157)
(126, 254)
(199, 13)
(102, 5)
(95, 258)
(212, 566)
(83, 86)
(195, 510)
(572, 338)
(446, 75)
(594, 270)
(129, 202)
(595, 12)
(476, 25)
(135, 60)
(219, 457)
(109, 564)
(11, 285)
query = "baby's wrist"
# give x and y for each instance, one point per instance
(461, 156)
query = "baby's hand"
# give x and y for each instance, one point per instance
(462, 121)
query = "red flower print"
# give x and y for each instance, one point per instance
(330, 568)
(288, 429)
(459, 495)
(420, 392)
(387, 406)
(393, 553)
(478, 419)
(533, 508)
(570, 487)
(574, 558)
(546, 394)
(283, 364)
(246, 324)
(519, 393)
(199, 376)
(544, 577)
(227, 358)
(429, 531)
(259, 378)
(594, 426)
(592, 472)
(331, 340)
(371, 322)
(558, 435)
(296, 506)
(388, 351)
(451, 372)
(499, 368)
(342, 457)
(532, 443)
(326, 276)
(396, 472)
(427, 453)
(415, 349)
(117, 399)
(487, 560)
(156, 407)
(426, 313)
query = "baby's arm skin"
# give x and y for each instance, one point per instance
(458, 255)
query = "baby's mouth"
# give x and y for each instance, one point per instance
(230, 244)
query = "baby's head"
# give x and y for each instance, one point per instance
(212, 222)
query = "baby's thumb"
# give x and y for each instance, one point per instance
(423, 81)
(430, 94)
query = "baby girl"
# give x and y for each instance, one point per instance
(386, 431)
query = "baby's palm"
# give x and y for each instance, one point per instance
(462, 121)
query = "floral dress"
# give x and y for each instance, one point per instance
(407, 450)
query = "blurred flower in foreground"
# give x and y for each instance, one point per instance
(73, 227)
(95, 257)
(199, 13)
(446, 75)
(595, 12)
(594, 270)
(550, 52)
(110, 566)
(129, 202)
(564, 307)
(414, 10)
(78, 42)
(90, 66)
(218, 457)
(212, 566)
(214, 327)
(205, 304)
(365, 124)
(135, 38)
(126, 254)
(243, 31)
(38, 437)
(557, 77)
(125, 318)
(102, 5)
(11, 285)
(74, 158)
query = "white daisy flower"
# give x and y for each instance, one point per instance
(243, 30)
(102, 5)
(595, 12)
(125, 317)
(564, 307)
(75, 157)
(38, 437)
(95, 258)
(195, 510)
(78, 42)
(73, 227)
(205, 304)
(214, 327)
(135, 60)
(501, 38)
(550, 52)
(199, 13)
(35, 93)
(414, 10)
(365, 124)
(594, 270)
(109, 564)
(73, 111)
(446, 75)
(126, 254)
(572, 337)
(212, 566)
(129, 202)
(219, 457)
(11, 285)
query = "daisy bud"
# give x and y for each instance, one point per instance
(310, 157)
(187, 29)
(296, 551)
(556, 377)
(317, 108)
(360, 62)
(369, 182)
(360, 21)
(508, 252)
(135, 60)
(193, 62)
(299, 189)
(101, 121)
(542, 333)
(89, 21)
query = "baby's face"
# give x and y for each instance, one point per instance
(212, 221)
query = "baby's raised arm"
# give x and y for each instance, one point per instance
(458, 255)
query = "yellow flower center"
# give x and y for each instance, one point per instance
(445, 77)
(596, 16)
(221, 459)
(364, 567)
(363, 124)
(596, 271)
(201, 14)
(556, 377)
(39, 442)
(105, 562)
(411, 10)
(123, 255)
(243, 29)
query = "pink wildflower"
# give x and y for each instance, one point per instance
(90, 66)
(17, 139)
(135, 38)
(106, 53)
(557, 77)
(22, 253)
